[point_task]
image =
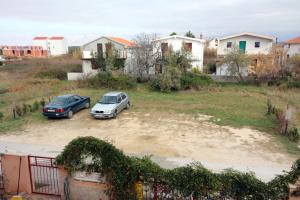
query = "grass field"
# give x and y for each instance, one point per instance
(232, 105)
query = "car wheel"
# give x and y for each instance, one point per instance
(128, 105)
(70, 114)
(115, 114)
(87, 105)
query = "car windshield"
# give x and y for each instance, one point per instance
(59, 101)
(108, 100)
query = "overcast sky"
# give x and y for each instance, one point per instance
(82, 20)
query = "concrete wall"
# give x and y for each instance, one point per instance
(87, 71)
(292, 49)
(224, 71)
(176, 43)
(265, 45)
(83, 189)
(10, 170)
(57, 47)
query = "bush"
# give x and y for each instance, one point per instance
(1, 115)
(35, 106)
(124, 82)
(24, 109)
(293, 83)
(195, 81)
(293, 134)
(53, 74)
(168, 81)
(106, 80)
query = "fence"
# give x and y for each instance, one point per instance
(44, 175)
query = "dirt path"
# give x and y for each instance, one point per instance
(172, 138)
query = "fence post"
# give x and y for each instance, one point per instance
(14, 113)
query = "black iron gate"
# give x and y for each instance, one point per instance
(44, 175)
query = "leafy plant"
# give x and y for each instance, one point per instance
(195, 81)
(191, 181)
(53, 74)
(293, 134)
(1, 116)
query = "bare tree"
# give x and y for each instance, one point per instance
(236, 60)
(145, 54)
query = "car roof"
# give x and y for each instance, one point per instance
(114, 93)
(66, 95)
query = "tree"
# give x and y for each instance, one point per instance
(173, 33)
(294, 62)
(145, 54)
(190, 34)
(236, 60)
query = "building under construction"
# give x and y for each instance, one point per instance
(22, 51)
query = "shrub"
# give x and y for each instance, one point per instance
(18, 111)
(3, 90)
(270, 108)
(53, 74)
(124, 82)
(35, 106)
(195, 81)
(293, 134)
(293, 83)
(24, 109)
(43, 102)
(168, 81)
(1, 115)
(105, 80)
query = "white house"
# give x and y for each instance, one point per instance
(54, 45)
(248, 43)
(292, 47)
(213, 44)
(196, 46)
(101, 46)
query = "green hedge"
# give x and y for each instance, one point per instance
(195, 81)
(123, 171)
(53, 74)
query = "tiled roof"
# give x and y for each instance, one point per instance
(40, 38)
(56, 38)
(293, 41)
(123, 41)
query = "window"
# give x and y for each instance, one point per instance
(229, 44)
(164, 47)
(28, 51)
(257, 44)
(119, 99)
(13, 51)
(123, 96)
(288, 56)
(188, 46)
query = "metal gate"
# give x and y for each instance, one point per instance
(44, 175)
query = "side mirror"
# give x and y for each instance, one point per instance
(119, 100)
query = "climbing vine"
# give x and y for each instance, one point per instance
(122, 172)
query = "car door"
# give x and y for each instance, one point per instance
(73, 104)
(79, 102)
(119, 101)
(124, 100)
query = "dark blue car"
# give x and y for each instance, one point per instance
(66, 106)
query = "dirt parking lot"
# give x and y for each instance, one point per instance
(173, 139)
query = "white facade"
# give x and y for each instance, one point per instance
(292, 49)
(213, 44)
(92, 49)
(264, 43)
(250, 43)
(176, 43)
(55, 46)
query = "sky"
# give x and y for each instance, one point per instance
(83, 20)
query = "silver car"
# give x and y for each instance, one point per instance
(110, 105)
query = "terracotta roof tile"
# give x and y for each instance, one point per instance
(123, 41)
(293, 41)
(40, 38)
(56, 38)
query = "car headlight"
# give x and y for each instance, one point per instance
(107, 111)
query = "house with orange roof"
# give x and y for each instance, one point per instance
(56, 45)
(292, 47)
(103, 46)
